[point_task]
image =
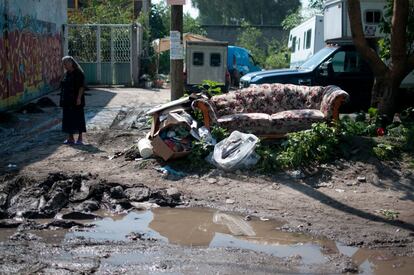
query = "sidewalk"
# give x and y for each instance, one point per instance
(102, 107)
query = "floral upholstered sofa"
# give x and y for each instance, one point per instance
(272, 109)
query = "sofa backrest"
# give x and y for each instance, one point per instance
(269, 99)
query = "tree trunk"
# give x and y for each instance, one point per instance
(384, 92)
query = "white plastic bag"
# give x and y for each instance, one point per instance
(236, 152)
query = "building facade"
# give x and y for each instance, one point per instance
(31, 49)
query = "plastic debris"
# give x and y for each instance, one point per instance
(236, 152)
(167, 170)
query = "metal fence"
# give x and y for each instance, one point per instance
(107, 53)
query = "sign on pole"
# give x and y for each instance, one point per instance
(176, 47)
(176, 2)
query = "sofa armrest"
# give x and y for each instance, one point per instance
(333, 98)
(208, 111)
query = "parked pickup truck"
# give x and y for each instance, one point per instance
(332, 65)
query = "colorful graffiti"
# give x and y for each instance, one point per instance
(30, 57)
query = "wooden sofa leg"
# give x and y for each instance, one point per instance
(206, 117)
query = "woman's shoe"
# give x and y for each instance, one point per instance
(67, 141)
(79, 142)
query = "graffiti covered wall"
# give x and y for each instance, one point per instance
(30, 49)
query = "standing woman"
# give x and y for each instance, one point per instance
(72, 100)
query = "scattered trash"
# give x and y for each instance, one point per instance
(230, 201)
(167, 170)
(145, 148)
(203, 134)
(116, 155)
(211, 180)
(362, 179)
(264, 219)
(11, 165)
(297, 174)
(351, 183)
(339, 190)
(132, 153)
(236, 152)
(325, 184)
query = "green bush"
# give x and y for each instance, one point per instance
(306, 147)
(268, 162)
(277, 61)
(211, 88)
(384, 151)
(219, 133)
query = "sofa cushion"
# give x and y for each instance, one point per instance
(249, 122)
(295, 120)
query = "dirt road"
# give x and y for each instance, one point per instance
(362, 203)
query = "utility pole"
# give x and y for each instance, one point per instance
(176, 49)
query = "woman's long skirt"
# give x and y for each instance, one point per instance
(73, 120)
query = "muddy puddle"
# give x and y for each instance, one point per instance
(211, 228)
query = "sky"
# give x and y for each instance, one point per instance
(194, 12)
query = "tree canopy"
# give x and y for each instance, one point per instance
(104, 12)
(258, 12)
(297, 16)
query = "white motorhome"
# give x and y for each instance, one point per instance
(337, 26)
(305, 40)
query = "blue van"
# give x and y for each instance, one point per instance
(239, 63)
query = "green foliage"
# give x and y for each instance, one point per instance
(250, 38)
(373, 113)
(388, 213)
(277, 61)
(306, 147)
(192, 25)
(104, 12)
(159, 21)
(316, 4)
(211, 88)
(296, 16)
(384, 151)
(199, 152)
(351, 128)
(278, 55)
(258, 12)
(293, 19)
(268, 162)
(219, 133)
(385, 26)
(198, 116)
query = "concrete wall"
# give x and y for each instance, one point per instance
(230, 33)
(30, 49)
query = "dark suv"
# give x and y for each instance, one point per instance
(332, 65)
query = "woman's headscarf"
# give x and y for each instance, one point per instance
(74, 63)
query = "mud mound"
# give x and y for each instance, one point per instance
(76, 194)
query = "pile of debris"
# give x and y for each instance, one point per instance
(174, 130)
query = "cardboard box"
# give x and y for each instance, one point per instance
(159, 147)
(162, 150)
